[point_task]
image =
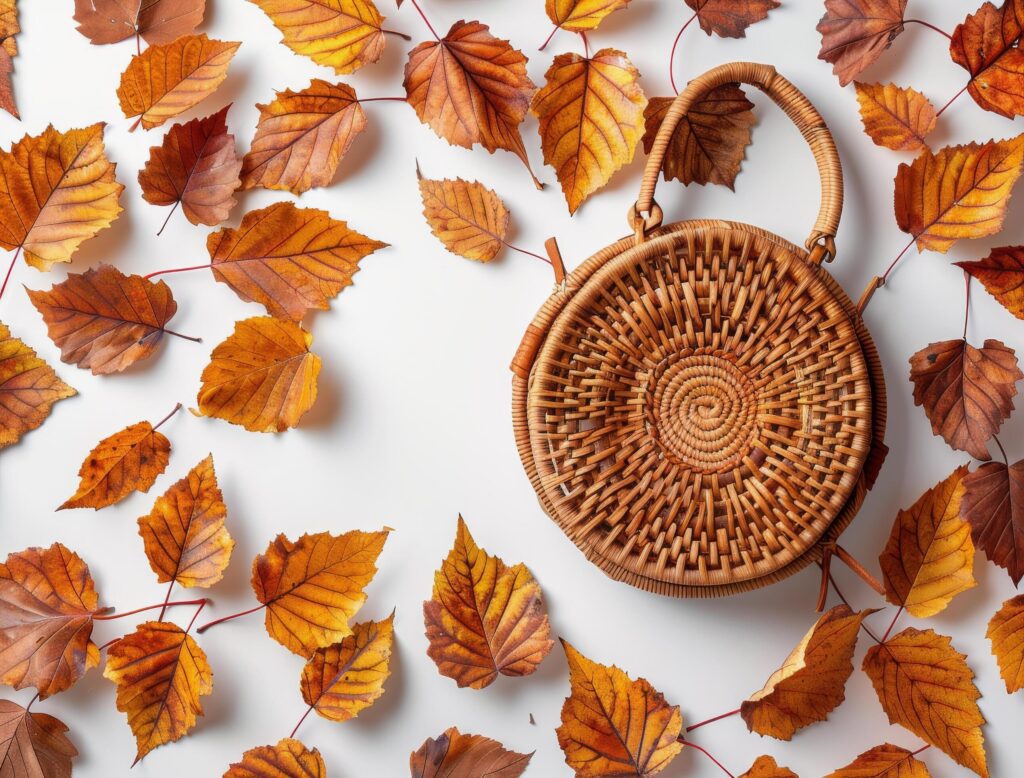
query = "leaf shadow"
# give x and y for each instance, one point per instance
(361, 155)
(328, 406)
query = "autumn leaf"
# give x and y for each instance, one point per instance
(157, 21)
(929, 558)
(288, 259)
(613, 725)
(925, 685)
(854, 33)
(986, 45)
(160, 673)
(288, 759)
(56, 191)
(1006, 631)
(467, 217)
(811, 682)
(263, 376)
(884, 761)
(103, 320)
(896, 117)
(301, 137)
(730, 18)
(766, 767)
(485, 618)
(471, 88)
(33, 745)
(47, 604)
(958, 192)
(167, 80)
(28, 389)
(454, 755)
(709, 142)
(993, 504)
(581, 15)
(591, 115)
(9, 27)
(966, 392)
(1002, 275)
(196, 165)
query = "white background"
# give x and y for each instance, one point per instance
(413, 426)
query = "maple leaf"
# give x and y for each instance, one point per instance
(160, 673)
(288, 759)
(33, 745)
(966, 392)
(262, 376)
(301, 137)
(613, 725)
(157, 21)
(9, 27)
(957, 192)
(195, 165)
(993, 504)
(581, 15)
(811, 682)
(730, 18)
(288, 259)
(591, 114)
(485, 618)
(986, 45)
(929, 558)
(103, 320)
(925, 685)
(455, 755)
(895, 117)
(166, 80)
(471, 88)
(47, 604)
(854, 33)
(57, 190)
(1002, 275)
(884, 761)
(467, 217)
(1006, 631)
(709, 142)
(766, 767)
(28, 389)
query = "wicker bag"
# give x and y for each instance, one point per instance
(699, 406)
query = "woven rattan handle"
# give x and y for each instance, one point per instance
(646, 215)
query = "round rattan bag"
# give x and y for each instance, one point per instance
(699, 405)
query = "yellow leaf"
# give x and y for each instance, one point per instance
(467, 217)
(895, 117)
(1006, 631)
(288, 759)
(581, 15)
(766, 767)
(884, 761)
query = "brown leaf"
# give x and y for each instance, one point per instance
(730, 18)
(591, 114)
(33, 745)
(613, 725)
(454, 755)
(710, 142)
(1006, 631)
(28, 389)
(854, 33)
(993, 505)
(288, 259)
(884, 761)
(581, 15)
(467, 217)
(301, 137)
(471, 88)
(811, 682)
(929, 558)
(485, 618)
(766, 767)
(103, 320)
(925, 685)
(986, 45)
(47, 604)
(195, 165)
(895, 117)
(9, 27)
(966, 392)
(157, 21)
(288, 759)
(1002, 275)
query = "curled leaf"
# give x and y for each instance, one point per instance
(766, 767)
(1002, 275)
(581, 15)
(884, 761)
(895, 117)
(730, 18)
(454, 755)
(854, 33)
(993, 504)
(288, 759)
(467, 217)
(33, 745)
(157, 21)
(987, 45)
(1006, 631)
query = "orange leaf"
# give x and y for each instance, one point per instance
(467, 217)
(854, 33)
(9, 27)
(966, 392)
(730, 18)
(312, 587)
(288, 759)
(302, 137)
(485, 618)
(47, 604)
(884, 761)
(288, 259)
(581, 15)
(895, 117)
(766, 767)
(33, 745)
(56, 191)
(993, 505)
(157, 21)
(1006, 631)
(263, 376)
(454, 755)
(1002, 274)
(591, 114)
(613, 725)
(986, 46)
(811, 682)
(103, 320)
(925, 685)
(160, 673)
(167, 80)
(28, 389)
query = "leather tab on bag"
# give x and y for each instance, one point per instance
(551, 245)
(522, 362)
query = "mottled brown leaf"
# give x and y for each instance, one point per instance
(854, 33)
(33, 745)
(993, 504)
(1002, 275)
(157, 21)
(986, 45)
(454, 755)
(9, 27)
(730, 18)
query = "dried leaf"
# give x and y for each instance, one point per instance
(167, 80)
(929, 558)
(591, 114)
(312, 587)
(195, 165)
(56, 191)
(157, 21)
(811, 682)
(925, 685)
(288, 259)
(28, 389)
(485, 618)
(47, 604)
(103, 320)
(581, 15)
(730, 18)
(1006, 631)
(9, 27)
(986, 45)
(884, 761)
(454, 755)
(342, 679)
(613, 725)
(33, 745)
(895, 117)
(993, 505)
(766, 767)
(184, 535)
(160, 673)
(854, 33)
(301, 137)
(288, 759)
(263, 376)
(966, 392)
(467, 217)
(1002, 275)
